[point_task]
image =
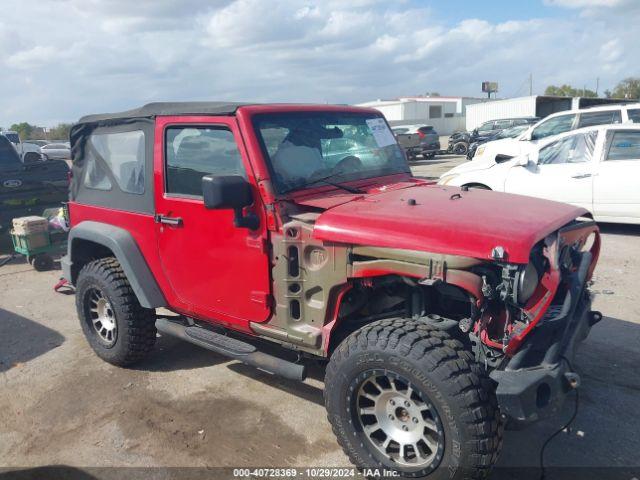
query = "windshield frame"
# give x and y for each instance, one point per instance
(283, 191)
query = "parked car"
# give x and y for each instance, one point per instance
(27, 188)
(596, 168)
(13, 137)
(459, 143)
(556, 124)
(431, 308)
(512, 132)
(56, 151)
(426, 144)
(40, 143)
(492, 127)
(28, 151)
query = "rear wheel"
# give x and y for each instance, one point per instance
(118, 328)
(403, 396)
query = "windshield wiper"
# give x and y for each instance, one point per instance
(326, 180)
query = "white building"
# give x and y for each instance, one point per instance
(532, 106)
(445, 114)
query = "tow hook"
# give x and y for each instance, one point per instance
(594, 317)
(573, 379)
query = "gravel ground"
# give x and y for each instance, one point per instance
(184, 406)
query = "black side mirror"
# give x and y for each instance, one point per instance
(230, 192)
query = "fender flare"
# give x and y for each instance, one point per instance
(126, 251)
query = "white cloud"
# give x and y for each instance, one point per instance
(65, 58)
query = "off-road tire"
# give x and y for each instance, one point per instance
(136, 331)
(443, 369)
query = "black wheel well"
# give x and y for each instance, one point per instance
(406, 300)
(84, 251)
(477, 185)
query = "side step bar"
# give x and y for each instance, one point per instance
(234, 348)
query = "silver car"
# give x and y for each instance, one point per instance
(56, 151)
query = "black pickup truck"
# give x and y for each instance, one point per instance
(27, 189)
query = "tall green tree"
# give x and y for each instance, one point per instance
(569, 91)
(627, 88)
(60, 132)
(24, 129)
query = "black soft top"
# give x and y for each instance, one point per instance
(155, 109)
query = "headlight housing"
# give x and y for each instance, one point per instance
(480, 151)
(526, 282)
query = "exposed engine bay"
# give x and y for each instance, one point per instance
(324, 292)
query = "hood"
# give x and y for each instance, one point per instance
(446, 220)
(480, 164)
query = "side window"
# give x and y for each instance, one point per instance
(573, 149)
(634, 115)
(124, 155)
(486, 127)
(193, 152)
(553, 126)
(599, 118)
(95, 177)
(625, 145)
(502, 124)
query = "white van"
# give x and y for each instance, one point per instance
(555, 124)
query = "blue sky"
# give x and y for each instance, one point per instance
(61, 59)
(493, 10)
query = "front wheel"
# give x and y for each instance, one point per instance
(460, 148)
(405, 397)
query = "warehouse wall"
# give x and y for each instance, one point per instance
(513, 107)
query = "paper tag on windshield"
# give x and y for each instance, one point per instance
(381, 132)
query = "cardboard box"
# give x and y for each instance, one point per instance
(30, 225)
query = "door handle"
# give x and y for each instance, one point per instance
(174, 221)
(582, 175)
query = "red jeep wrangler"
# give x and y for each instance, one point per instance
(442, 313)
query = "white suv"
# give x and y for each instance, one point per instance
(555, 124)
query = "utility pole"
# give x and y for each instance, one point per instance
(530, 84)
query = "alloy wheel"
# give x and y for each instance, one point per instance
(399, 421)
(101, 316)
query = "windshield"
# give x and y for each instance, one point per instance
(13, 137)
(307, 148)
(512, 132)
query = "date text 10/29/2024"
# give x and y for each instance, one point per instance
(317, 472)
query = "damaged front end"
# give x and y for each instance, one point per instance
(520, 320)
(535, 375)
